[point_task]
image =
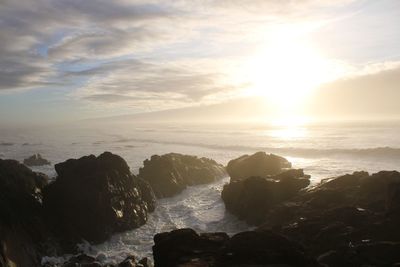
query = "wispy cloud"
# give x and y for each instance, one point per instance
(164, 53)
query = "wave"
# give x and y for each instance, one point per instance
(6, 144)
(381, 152)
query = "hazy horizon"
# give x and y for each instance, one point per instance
(65, 61)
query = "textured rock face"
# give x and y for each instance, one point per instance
(94, 197)
(170, 174)
(252, 198)
(259, 164)
(351, 220)
(185, 247)
(21, 225)
(84, 260)
(36, 160)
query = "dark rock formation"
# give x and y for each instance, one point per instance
(259, 164)
(169, 174)
(84, 260)
(252, 198)
(22, 231)
(94, 197)
(36, 160)
(351, 220)
(185, 247)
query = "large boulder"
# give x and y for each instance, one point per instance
(36, 160)
(22, 229)
(94, 197)
(252, 198)
(259, 164)
(184, 247)
(171, 173)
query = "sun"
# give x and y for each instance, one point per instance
(286, 73)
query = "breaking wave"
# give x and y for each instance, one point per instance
(381, 152)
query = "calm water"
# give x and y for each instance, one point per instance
(323, 150)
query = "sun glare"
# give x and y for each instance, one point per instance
(286, 73)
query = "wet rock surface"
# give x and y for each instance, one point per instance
(171, 173)
(258, 164)
(250, 199)
(347, 221)
(36, 160)
(94, 197)
(22, 228)
(351, 220)
(84, 260)
(185, 247)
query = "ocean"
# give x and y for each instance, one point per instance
(322, 150)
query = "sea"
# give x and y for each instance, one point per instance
(323, 150)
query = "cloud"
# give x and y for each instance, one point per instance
(36, 37)
(133, 81)
(142, 52)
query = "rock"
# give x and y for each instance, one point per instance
(83, 260)
(259, 164)
(94, 197)
(252, 198)
(36, 160)
(22, 228)
(147, 194)
(129, 261)
(367, 254)
(184, 247)
(171, 173)
(145, 262)
(264, 247)
(342, 219)
(393, 201)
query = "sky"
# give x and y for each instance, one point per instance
(64, 60)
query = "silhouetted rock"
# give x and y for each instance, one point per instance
(340, 219)
(367, 254)
(22, 229)
(393, 201)
(171, 173)
(184, 247)
(259, 164)
(83, 260)
(36, 160)
(252, 198)
(94, 197)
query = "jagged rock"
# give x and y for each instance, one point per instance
(94, 197)
(22, 229)
(252, 198)
(393, 201)
(147, 194)
(340, 219)
(145, 262)
(129, 261)
(184, 247)
(171, 173)
(36, 160)
(259, 164)
(83, 260)
(366, 254)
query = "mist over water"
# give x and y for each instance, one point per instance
(324, 150)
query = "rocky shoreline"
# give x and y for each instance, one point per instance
(351, 220)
